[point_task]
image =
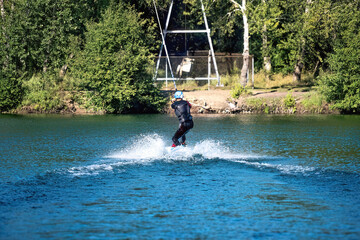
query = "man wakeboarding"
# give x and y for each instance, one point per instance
(182, 111)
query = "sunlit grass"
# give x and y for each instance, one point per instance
(273, 81)
(261, 81)
(313, 101)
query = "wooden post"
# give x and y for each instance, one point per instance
(252, 70)
(209, 69)
(166, 73)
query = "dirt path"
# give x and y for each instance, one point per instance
(210, 98)
(220, 99)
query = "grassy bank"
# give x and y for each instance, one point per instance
(286, 103)
(275, 94)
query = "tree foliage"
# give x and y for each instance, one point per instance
(11, 92)
(35, 37)
(342, 86)
(113, 64)
(106, 46)
(38, 38)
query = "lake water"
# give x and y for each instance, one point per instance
(241, 177)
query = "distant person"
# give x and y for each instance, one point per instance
(182, 111)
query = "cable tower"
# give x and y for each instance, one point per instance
(186, 63)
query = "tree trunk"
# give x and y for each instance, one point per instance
(265, 53)
(245, 67)
(265, 50)
(297, 72)
(316, 70)
(267, 65)
(2, 8)
(299, 65)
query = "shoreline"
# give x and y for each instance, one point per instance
(260, 102)
(219, 102)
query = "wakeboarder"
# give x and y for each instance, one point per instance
(182, 111)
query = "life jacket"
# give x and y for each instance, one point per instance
(182, 110)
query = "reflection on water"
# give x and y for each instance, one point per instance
(114, 177)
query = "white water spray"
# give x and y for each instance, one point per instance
(149, 148)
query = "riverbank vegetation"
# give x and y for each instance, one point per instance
(60, 56)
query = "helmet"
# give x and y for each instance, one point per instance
(179, 94)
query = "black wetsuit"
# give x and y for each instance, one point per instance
(182, 111)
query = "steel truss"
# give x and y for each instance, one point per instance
(163, 46)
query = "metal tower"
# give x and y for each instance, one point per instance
(163, 45)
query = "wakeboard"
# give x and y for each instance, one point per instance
(177, 148)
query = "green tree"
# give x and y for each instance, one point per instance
(264, 20)
(11, 91)
(342, 86)
(37, 36)
(114, 64)
(304, 37)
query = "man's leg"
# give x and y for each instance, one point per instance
(183, 139)
(178, 134)
(187, 126)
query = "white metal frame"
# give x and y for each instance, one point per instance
(163, 45)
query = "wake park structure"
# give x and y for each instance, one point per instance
(188, 54)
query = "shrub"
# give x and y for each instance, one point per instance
(313, 102)
(237, 91)
(11, 93)
(342, 90)
(42, 93)
(289, 100)
(230, 80)
(255, 102)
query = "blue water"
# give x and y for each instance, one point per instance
(241, 177)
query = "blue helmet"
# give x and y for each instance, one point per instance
(179, 94)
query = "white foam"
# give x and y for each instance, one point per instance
(145, 148)
(152, 147)
(90, 170)
(286, 169)
(149, 148)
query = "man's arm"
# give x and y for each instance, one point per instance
(189, 104)
(173, 103)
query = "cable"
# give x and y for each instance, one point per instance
(163, 40)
